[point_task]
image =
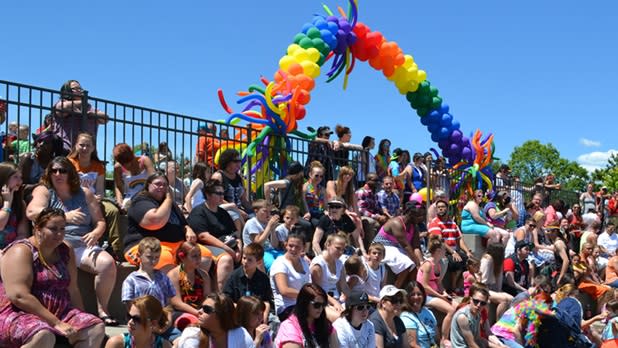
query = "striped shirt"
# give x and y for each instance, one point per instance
(448, 229)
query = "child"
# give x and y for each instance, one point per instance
(356, 273)
(192, 285)
(148, 281)
(248, 280)
(376, 273)
(21, 145)
(258, 229)
(472, 275)
(610, 332)
(290, 218)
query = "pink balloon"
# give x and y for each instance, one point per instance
(416, 197)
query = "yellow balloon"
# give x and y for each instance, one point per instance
(422, 76)
(314, 54)
(293, 48)
(423, 193)
(310, 69)
(285, 62)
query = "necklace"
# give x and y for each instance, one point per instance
(46, 265)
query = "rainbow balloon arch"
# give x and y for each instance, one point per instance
(274, 108)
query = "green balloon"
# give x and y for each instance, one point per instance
(299, 37)
(436, 102)
(434, 91)
(305, 43)
(314, 33)
(411, 96)
(422, 112)
(424, 99)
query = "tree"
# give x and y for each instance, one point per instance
(533, 160)
(608, 175)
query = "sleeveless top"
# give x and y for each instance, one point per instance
(433, 278)
(73, 233)
(418, 177)
(328, 282)
(389, 240)
(474, 321)
(498, 222)
(128, 341)
(134, 183)
(233, 188)
(198, 198)
(315, 202)
(191, 294)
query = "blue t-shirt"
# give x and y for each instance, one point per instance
(424, 323)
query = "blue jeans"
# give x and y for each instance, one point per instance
(614, 284)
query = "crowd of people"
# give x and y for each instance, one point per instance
(341, 252)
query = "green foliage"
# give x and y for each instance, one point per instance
(608, 175)
(534, 160)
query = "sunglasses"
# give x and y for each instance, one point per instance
(318, 176)
(219, 193)
(136, 318)
(58, 171)
(532, 225)
(479, 302)
(394, 300)
(362, 307)
(318, 305)
(208, 309)
(335, 206)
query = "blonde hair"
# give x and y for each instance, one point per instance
(346, 192)
(565, 291)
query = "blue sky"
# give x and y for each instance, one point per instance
(520, 69)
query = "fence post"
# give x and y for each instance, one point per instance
(248, 164)
(84, 118)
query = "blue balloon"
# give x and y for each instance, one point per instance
(425, 120)
(329, 38)
(320, 23)
(443, 144)
(444, 133)
(434, 137)
(444, 109)
(333, 27)
(306, 27)
(446, 120)
(434, 129)
(434, 117)
(455, 125)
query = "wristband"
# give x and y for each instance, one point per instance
(8, 210)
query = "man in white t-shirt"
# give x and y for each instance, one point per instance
(608, 240)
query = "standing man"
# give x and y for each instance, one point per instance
(457, 251)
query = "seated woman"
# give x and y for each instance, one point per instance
(46, 146)
(421, 325)
(500, 211)
(249, 314)
(195, 196)
(430, 276)
(153, 214)
(216, 230)
(353, 327)
(235, 198)
(191, 285)
(308, 322)
(327, 271)
(288, 274)
(13, 222)
(337, 220)
(92, 177)
(145, 315)
(130, 174)
(473, 221)
(343, 187)
(217, 326)
(60, 188)
(314, 192)
(492, 266)
(390, 330)
(39, 297)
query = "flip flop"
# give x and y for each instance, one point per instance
(109, 321)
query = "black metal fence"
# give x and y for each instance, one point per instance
(145, 129)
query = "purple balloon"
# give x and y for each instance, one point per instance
(454, 148)
(456, 136)
(465, 140)
(443, 144)
(466, 153)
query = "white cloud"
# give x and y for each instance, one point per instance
(589, 143)
(595, 160)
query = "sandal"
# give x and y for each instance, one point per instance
(109, 321)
